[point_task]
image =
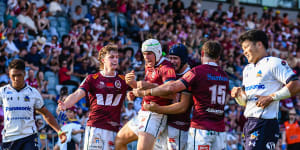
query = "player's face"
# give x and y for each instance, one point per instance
(251, 51)
(176, 62)
(149, 59)
(111, 60)
(17, 78)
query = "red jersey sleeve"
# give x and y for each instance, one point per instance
(167, 73)
(85, 84)
(188, 78)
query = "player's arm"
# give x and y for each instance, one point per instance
(49, 118)
(72, 99)
(176, 108)
(169, 88)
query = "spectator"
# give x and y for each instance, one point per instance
(33, 59)
(31, 80)
(64, 74)
(291, 134)
(9, 45)
(21, 42)
(77, 15)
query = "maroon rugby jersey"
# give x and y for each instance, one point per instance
(180, 121)
(106, 96)
(209, 85)
(162, 72)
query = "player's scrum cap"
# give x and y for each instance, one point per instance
(180, 51)
(152, 45)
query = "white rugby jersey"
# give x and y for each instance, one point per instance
(18, 107)
(265, 77)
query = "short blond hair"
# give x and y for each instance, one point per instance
(105, 50)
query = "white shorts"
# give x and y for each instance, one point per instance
(172, 139)
(99, 139)
(149, 122)
(206, 140)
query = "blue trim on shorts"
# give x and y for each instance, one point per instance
(195, 137)
(159, 125)
(147, 122)
(179, 139)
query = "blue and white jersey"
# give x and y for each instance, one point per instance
(19, 107)
(264, 78)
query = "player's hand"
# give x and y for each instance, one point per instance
(263, 101)
(62, 106)
(138, 92)
(130, 77)
(236, 92)
(62, 136)
(130, 96)
(150, 107)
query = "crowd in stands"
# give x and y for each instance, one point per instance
(59, 42)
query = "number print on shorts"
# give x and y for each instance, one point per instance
(109, 101)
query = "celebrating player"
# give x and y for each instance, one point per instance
(147, 126)
(106, 90)
(177, 124)
(263, 81)
(19, 102)
(209, 85)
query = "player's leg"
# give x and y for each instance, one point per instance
(151, 125)
(177, 139)
(199, 139)
(124, 136)
(220, 140)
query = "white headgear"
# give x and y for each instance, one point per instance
(152, 45)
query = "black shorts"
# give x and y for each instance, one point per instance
(26, 143)
(261, 134)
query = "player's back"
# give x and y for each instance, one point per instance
(209, 90)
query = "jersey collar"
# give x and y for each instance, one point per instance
(102, 73)
(211, 63)
(161, 60)
(186, 70)
(16, 89)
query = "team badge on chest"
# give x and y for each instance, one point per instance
(118, 84)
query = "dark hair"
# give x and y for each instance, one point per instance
(255, 36)
(212, 49)
(17, 64)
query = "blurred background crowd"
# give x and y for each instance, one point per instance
(60, 39)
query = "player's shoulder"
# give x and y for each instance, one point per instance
(164, 62)
(94, 76)
(31, 89)
(4, 88)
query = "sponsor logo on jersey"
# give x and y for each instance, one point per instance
(215, 111)
(216, 78)
(259, 73)
(18, 118)
(118, 84)
(109, 85)
(9, 92)
(101, 85)
(26, 98)
(253, 87)
(17, 108)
